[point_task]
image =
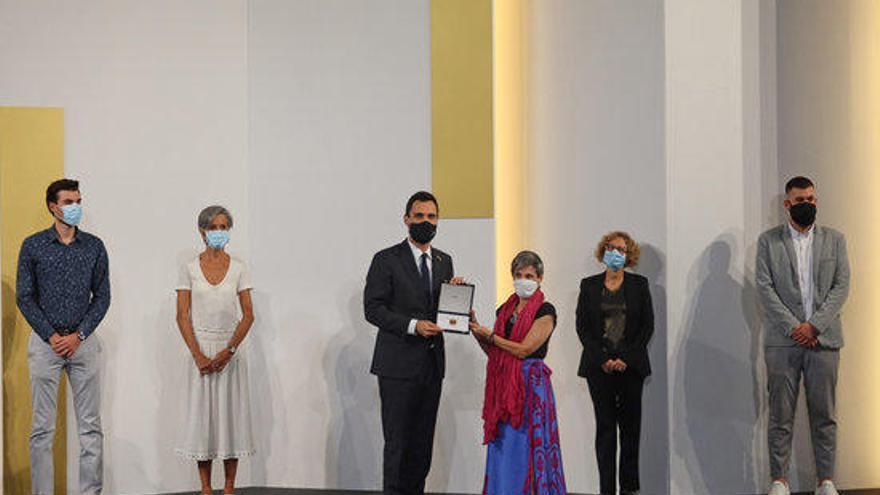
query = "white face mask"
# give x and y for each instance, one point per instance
(524, 287)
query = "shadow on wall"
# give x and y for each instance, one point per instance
(263, 380)
(117, 443)
(655, 416)
(354, 442)
(752, 313)
(719, 408)
(174, 359)
(354, 439)
(462, 398)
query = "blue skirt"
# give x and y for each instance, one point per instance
(528, 459)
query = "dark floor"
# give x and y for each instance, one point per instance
(848, 492)
(289, 491)
(293, 491)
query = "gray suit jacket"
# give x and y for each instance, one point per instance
(780, 294)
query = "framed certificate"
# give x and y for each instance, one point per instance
(453, 312)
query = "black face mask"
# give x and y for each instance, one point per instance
(422, 232)
(803, 214)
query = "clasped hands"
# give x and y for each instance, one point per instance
(216, 364)
(614, 365)
(65, 345)
(427, 328)
(805, 335)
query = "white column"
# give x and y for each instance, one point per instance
(714, 204)
(595, 146)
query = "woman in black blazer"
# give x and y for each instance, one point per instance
(615, 321)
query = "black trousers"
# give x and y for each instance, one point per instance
(409, 415)
(617, 403)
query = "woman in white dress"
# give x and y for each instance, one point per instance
(214, 315)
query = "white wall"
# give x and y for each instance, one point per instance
(596, 164)
(311, 121)
(155, 100)
(715, 156)
(340, 137)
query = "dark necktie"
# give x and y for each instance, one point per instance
(426, 279)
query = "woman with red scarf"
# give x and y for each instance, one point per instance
(519, 412)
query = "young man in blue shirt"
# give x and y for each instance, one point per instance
(63, 291)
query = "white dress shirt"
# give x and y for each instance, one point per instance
(803, 247)
(417, 254)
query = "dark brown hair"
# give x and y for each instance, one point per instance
(421, 196)
(58, 186)
(799, 182)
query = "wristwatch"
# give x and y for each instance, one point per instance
(232, 349)
(81, 335)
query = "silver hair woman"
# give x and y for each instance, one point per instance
(519, 404)
(214, 315)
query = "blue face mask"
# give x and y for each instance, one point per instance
(72, 214)
(217, 239)
(614, 259)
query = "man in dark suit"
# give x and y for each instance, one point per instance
(400, 298)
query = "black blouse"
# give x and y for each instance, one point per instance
(613, 308)
(544, 310)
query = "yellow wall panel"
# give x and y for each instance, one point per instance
(510, 148)
(31, 156)
(461, 107)
(859, 175)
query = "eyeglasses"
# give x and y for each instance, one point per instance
(619, 249)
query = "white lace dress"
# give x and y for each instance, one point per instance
(217, 423)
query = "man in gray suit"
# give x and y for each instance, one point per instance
(802, 275)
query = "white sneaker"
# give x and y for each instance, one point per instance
(826, 488)
(779, 488)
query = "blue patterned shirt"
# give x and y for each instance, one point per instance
(63, 288)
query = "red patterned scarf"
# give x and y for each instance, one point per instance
(505, 386)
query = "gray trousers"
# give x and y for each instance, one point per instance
(785, 366)
(82, 371)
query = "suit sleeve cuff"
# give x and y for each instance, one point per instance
(412, 327)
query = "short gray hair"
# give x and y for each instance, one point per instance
(210, 213)
(525, 259)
